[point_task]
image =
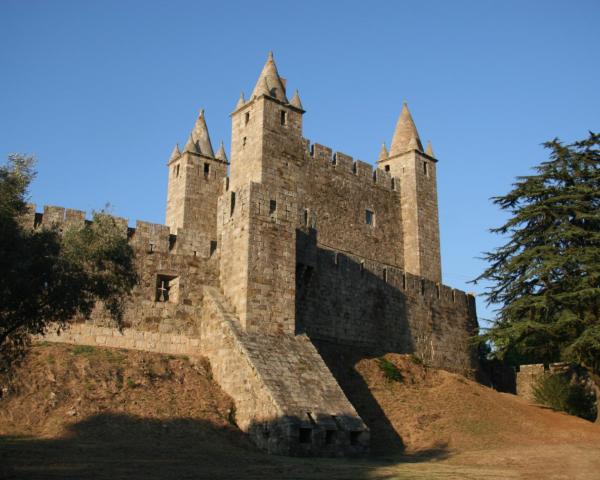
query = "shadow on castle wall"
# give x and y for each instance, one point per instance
(353, 309)
(113, 445)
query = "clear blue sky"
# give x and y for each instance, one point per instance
(101, 91)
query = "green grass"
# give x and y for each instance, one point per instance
(390, 370)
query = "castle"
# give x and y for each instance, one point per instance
(268, 259)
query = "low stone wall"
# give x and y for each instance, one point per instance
(527, 376)
(86, 334)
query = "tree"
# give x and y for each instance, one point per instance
(546, 277)
(48, 278)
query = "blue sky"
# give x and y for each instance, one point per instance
(101, 91)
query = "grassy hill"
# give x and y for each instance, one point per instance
(78, 412)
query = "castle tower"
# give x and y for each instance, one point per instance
(195, 183)
(259, 212)
(266, 132)
(418, 187)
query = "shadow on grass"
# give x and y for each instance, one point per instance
(114, 446)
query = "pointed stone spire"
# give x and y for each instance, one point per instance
(296, 100)
(201, 137)
(406, 136)
(175, 153)
(383, 154)
(269, 78)
(241, 102)
(221, 155)
(190, 146)
(429, 150)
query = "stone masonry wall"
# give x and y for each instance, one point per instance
(334, 193)
(85, 334)
(158, 254)
(195, 184)
(357, 302)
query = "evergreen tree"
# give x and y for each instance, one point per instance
(546, 277)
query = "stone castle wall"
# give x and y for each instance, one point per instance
(334, 194)
(358, 302)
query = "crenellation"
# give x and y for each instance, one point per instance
(321, 152)
(363, 170)
(343, 162)
(151, 237)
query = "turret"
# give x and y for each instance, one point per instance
(265, 129)
(418, 186)
(195, 182)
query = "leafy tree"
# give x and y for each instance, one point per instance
(546, 277)
(48, 278)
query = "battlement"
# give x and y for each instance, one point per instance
(413, 285)
(145, 236)
(345, 163)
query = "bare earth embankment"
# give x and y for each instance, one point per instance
(91, 413)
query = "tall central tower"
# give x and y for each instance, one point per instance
(259, 212)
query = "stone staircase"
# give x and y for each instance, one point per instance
(286, 397)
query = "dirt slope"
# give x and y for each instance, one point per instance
(92, 413)
(431, 408)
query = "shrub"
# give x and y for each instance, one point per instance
(555, 391)
(390, 370)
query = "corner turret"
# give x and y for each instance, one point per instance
(195, 182)
(417, 173)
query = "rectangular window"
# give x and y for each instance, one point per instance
(385, 274)
(246, 118)
(369, 217)
(272, 207)
(176, 170)
(425, 172)
(387, 168)
(306, 217)
(283, 117)
(167, 288)
(206, 170)
(213, 247)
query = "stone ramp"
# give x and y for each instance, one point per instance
(286, 397)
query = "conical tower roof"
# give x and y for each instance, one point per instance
(175, 153)
(406, 136)
(383, 153)
(429, 150)
(221, 155)
(190, 145)
(241, 102)
(270, 80)
(201, 137)
(295, 101)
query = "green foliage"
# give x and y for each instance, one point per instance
(84, 350)
(546, 277)
(416, 360)
(51, 278)
(556, 392)
(390, 370)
